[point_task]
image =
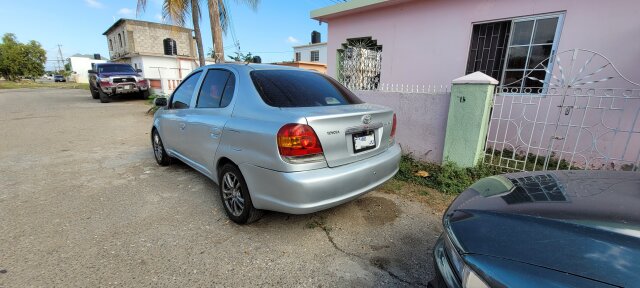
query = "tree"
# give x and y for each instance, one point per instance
(34, 57)
(21, 60)
(240, 57)
(219, 18)
(176, 11)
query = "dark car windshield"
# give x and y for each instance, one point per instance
(295, 88)
(115, 68)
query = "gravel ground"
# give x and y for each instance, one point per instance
(83, 203)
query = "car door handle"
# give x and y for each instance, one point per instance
(182, 126)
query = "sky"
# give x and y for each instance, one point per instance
(270, 32)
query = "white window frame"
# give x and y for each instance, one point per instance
(317, 52)
(554, 48)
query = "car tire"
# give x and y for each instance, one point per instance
(94, 93)
(235, 196)
(144, 95)
(159, 153)
(104, 98)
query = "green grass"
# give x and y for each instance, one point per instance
(531, 162)
(442, 185)
(447, 178)
(36, 85)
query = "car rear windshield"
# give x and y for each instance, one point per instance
(115, 68)
(295, 88)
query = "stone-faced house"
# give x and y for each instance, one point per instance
(165, 53)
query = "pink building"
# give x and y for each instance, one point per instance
(431, 41)
(568, 72)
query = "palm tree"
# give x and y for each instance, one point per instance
(219, 19)
(176, 11)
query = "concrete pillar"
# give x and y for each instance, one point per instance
(468, 119)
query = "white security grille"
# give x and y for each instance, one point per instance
(360, 63)
(570, 119)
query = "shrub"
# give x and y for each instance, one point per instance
(448, 178)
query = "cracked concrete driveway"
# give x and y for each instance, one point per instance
(83, 203)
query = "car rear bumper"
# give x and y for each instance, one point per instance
(314, 190)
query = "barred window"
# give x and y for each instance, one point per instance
(516, 51)
(359, 64)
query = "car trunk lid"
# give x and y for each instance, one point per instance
(336, 127)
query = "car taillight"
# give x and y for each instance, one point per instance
(298, 143)
(393, 126)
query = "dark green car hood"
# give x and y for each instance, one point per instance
(583, 223)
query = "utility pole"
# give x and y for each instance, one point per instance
(60, 58)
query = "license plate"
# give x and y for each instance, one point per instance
(127, 87)
(364, 141)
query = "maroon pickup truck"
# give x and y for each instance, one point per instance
(107, 80)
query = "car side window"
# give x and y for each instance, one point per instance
(182, 96)
(228, 91)
(213, 89)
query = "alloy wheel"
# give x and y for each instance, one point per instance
(232, 194)
(157, 147)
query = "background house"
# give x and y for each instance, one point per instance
(165, 53)
(312, 56)
(569, 80)
(81, 64)
(315, 51)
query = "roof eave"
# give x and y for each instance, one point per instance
(115, 24)
(353, 6)
(311, 45)
(121, 20)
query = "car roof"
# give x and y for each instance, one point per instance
(253, 66)
(121, 64)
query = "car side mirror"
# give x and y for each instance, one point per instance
(160, 102)
(139, 70)
(92, 71)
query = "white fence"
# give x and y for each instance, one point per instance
(411, 88)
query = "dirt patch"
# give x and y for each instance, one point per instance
(436, 200)
(85, 193)
(377, 210)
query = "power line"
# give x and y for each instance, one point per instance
(233, 31)
(60, 61)
(263, 52)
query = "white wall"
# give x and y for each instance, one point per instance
(305, 52)
(163, 68)
(80, 65)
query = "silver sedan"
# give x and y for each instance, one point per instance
(276, 138)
